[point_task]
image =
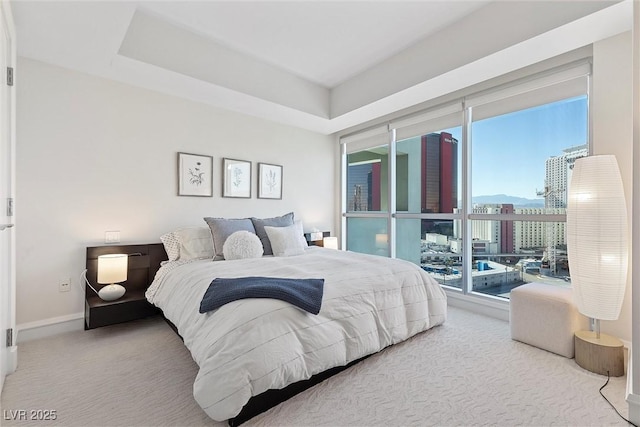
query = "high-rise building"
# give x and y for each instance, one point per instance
(558, 175)
(492, 231)
(439, 186)
(538, 234)
(364, 186)
(439, 173)
(558, 171)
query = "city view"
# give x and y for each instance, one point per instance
(519, 173)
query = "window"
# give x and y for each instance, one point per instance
(367, 172)
(366, 192)
(521, 165)
(368, 235)
(434, 245)
(427, 172)
(474, 191)
(496, 270)
(428, 182)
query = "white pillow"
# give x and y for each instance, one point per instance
(171, 245)
(242, 244)
(188, 243)
(303, 241)
(286, 241)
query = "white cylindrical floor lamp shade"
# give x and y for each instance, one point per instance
(597, 237)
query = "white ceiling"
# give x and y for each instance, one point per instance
(324, 66)
(323, 42)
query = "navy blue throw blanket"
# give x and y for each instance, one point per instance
(303, 293)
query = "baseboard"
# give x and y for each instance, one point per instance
(633, 400)
(12, 364)
(487, 306)
(48, 327)
(634, 408)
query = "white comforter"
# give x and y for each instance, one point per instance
(249, 346)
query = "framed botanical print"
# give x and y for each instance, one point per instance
(236, 178)
(195, 173)
(269, 181)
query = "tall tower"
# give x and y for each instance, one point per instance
(439, 171)
(558, 175)
(438, 185)
(557, 178)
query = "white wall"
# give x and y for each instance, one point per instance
(95, 155)
(611, 104)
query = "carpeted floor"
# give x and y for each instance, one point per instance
(466, 372)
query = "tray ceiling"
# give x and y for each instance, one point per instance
(323, 66)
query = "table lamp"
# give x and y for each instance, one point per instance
(112, 269)
(330, 242)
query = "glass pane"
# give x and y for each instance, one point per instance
(435, 245)
(507, 254)
(428, 174)
(367, 182)
(524, 159)
(368, 235)
(521, 164)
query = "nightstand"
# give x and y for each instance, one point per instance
(316, 242)
(144, 261)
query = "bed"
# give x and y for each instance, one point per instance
(251, 346)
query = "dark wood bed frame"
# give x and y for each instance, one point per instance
(146, 267)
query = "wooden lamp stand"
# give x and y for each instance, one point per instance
(599, 353)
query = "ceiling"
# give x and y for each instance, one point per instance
(323, 66)
(323, 42)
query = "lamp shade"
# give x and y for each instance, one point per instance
(330, 242)
(597, 237)
(112, 268)
(315, 236)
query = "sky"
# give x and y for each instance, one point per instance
(509, 151)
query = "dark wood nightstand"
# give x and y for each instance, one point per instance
(144, 261)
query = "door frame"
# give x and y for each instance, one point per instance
(8, 26)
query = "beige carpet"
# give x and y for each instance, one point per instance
(466, 372)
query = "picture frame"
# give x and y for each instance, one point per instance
(269, 181)
(236, 178)
(195, 175)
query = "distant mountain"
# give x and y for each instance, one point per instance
(518, 202)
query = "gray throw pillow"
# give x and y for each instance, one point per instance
(222, 228)
(279, 221)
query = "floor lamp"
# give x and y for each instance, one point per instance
(598, 256)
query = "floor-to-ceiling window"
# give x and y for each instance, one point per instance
(473, 191)
(367, 193)
(521, 165)
(428, 189)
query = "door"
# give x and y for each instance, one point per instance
(8, 349)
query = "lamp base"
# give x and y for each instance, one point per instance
(111, 292)
(599, 355)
